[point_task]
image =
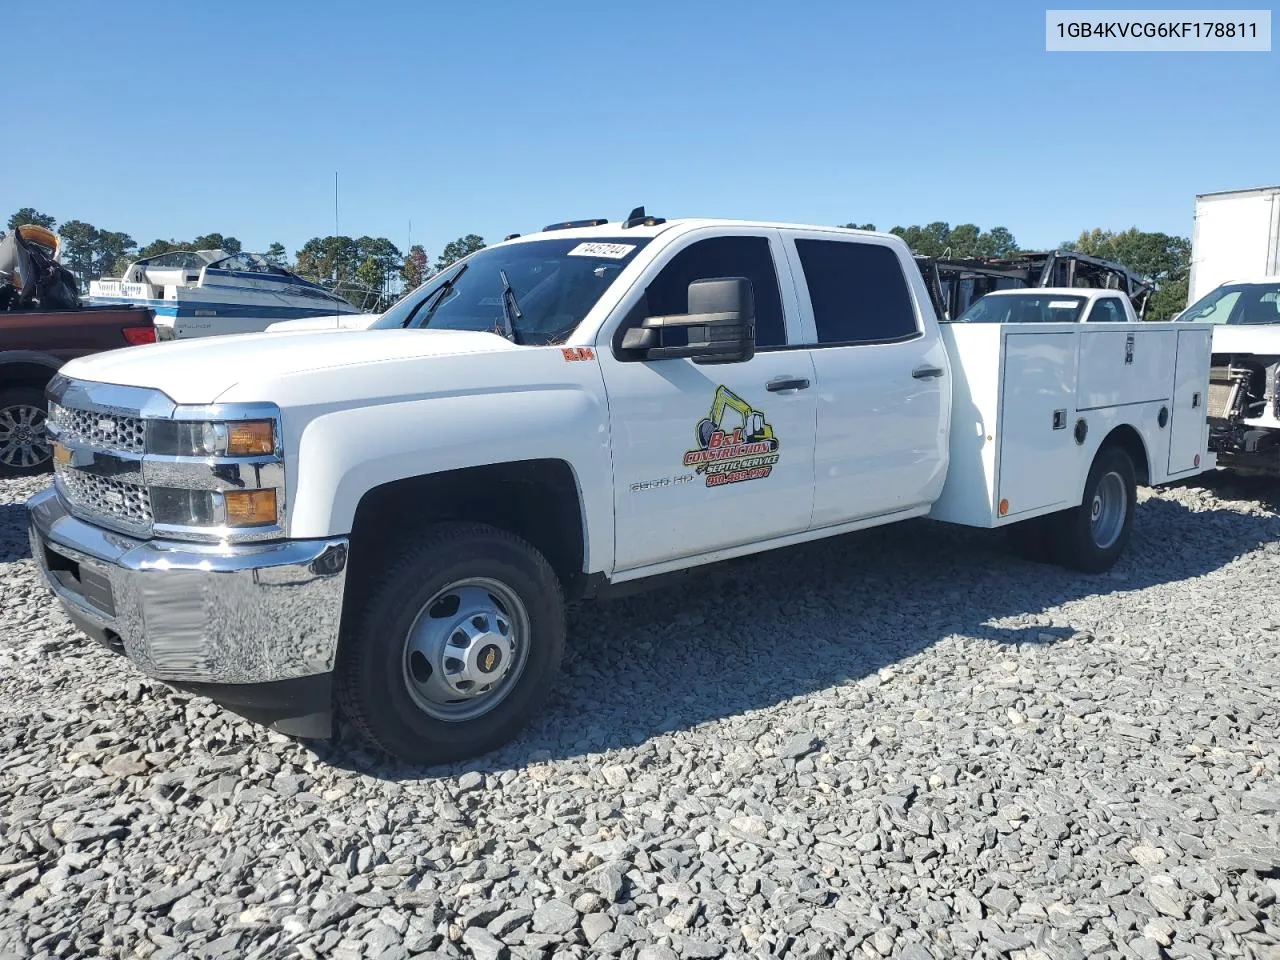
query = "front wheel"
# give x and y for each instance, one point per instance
(1092, 536)
(456, 648)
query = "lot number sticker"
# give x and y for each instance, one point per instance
(612, 251)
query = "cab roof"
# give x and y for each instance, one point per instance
(1087, 292)
(615, 229)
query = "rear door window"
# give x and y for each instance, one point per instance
(858, 292)
(1107, 310)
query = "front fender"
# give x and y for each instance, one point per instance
(343, 454)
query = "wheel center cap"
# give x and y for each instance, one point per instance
(477, 654)
(1097, 507)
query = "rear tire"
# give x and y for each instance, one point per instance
(468, 613)
(25, 446)
(1091, 537)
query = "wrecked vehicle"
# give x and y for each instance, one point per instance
(1244, 403)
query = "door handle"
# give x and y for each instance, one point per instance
(787, 383)
(927, 372)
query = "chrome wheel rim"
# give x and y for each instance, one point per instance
(1108, 511)
(23, 440)
(466, 649)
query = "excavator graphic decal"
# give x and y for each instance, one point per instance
(735, 442)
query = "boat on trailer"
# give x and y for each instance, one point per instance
(209, 293)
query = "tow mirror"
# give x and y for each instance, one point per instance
(720, 326)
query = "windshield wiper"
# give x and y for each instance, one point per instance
(438, 298)
(510, 308)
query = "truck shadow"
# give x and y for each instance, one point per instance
(754, 633)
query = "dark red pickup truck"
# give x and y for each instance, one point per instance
(33, 345)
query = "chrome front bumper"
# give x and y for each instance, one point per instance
(223, 614)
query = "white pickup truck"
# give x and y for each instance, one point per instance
(393, 518)
(1042, 305)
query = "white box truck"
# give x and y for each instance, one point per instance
(1236, 234)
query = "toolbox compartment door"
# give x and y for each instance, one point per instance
(1189, 427)
(1038, 455)
(1124, 364)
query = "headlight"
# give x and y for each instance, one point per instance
(218, 477)
(208, 508)
(192, 438)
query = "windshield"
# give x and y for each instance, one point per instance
(1024, 308)
(555, 283)
(1237, 303)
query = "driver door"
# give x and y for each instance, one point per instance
(709, 457)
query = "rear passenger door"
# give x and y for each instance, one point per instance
(883, 397)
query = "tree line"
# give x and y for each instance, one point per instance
(369, 271)
(1164, 259)
(372, 271)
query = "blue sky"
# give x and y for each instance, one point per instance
(175, 119)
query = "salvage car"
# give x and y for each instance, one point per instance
(1244, 402)
(391, 520)
(1051, 305)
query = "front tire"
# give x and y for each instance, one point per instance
(456, 648)
(25, 447)
(1091, 537)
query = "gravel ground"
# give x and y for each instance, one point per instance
(901, 743)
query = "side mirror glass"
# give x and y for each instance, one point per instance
(720, 326)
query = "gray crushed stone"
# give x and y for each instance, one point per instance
(902, 743)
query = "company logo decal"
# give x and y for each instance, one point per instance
(735, 443)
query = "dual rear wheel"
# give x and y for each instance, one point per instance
(1092, 536)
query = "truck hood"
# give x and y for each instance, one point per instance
(342, 321)
(1262, 339)
(198, 371)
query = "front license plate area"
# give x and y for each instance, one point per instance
(93, 587)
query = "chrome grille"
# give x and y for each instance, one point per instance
(106, 430)
(127, 503)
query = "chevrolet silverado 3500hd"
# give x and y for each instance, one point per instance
(392, 518)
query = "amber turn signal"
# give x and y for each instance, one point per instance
(250, 508)
(250, 438)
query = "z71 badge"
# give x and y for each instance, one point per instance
(733, 454)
